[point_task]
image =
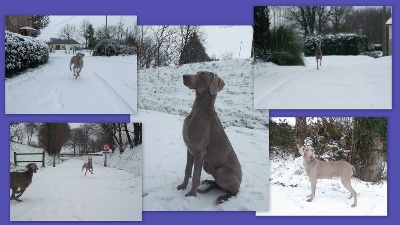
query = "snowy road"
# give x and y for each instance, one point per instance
(165, 159)
(342, 82)
(63, 193)
(107, 85)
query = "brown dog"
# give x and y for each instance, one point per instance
(207, 144)
(317, 169)
(88, 166)
(21, 181)
(77, 61)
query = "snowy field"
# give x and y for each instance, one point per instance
(63, 193)
(107, 85)
(342, 82)
(164, 102)
(290, 187)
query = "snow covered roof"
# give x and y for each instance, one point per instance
(389, 22)
(26, 28)
(62, 41)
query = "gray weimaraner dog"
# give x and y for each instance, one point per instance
(317, 169)
(207, 144)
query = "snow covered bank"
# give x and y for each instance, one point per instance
(161, 89)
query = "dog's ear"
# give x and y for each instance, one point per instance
(301, 150)
(216, 85)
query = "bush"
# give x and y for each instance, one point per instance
(338, 44)
(112, 48)
(23, 52)
(283, 48)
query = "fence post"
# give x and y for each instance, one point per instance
(43, 163)
(15, 159)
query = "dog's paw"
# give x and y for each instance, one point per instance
(191, 193)
(181, 187)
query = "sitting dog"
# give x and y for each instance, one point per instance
(21, 181)
(77, 61)
(207, 144)
(88, 166)
(317, 169)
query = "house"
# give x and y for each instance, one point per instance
(389, 44)
(23, 25)
(63, 44)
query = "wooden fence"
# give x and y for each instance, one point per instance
(17, 161)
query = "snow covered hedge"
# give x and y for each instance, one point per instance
(338, 44)
(24, 52)
(112, 48)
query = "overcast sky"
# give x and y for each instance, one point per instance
(236, 39)
(219, 39)
(57, 22)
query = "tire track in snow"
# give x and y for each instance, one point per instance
(101, 82)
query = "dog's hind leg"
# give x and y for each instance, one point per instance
(223, 198)
(212, 185)
(347, 184)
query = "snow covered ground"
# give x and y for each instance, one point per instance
(342, 82)
(290, 187)
(165, 159)
(107, 85)
(63, 193)
(164, 102)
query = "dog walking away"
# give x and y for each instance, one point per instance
(208, 146)
(317, 169)
(318, 53)
(88, 165)
(77, 61)
(21, 181)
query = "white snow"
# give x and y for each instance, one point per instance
(164, 102)
(342, 82)
(107, 85)
(290, 187)
(63, 193)
(165, 159)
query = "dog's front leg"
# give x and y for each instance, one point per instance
(198, 165)
(188, 171)
(313, 186)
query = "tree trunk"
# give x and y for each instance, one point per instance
(384, 31)
(128, 136)
(301, 130)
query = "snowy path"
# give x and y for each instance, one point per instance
(165, 159)
(342, 82)
(63, 193)
(107, 85)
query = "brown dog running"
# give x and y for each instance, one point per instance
(207, 144)
(77, 61)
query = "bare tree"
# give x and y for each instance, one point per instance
(323, 14)
(67, 32)
(304, 17)
(227, 55)
(338, 17)
(30, 129)
(84, 30)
